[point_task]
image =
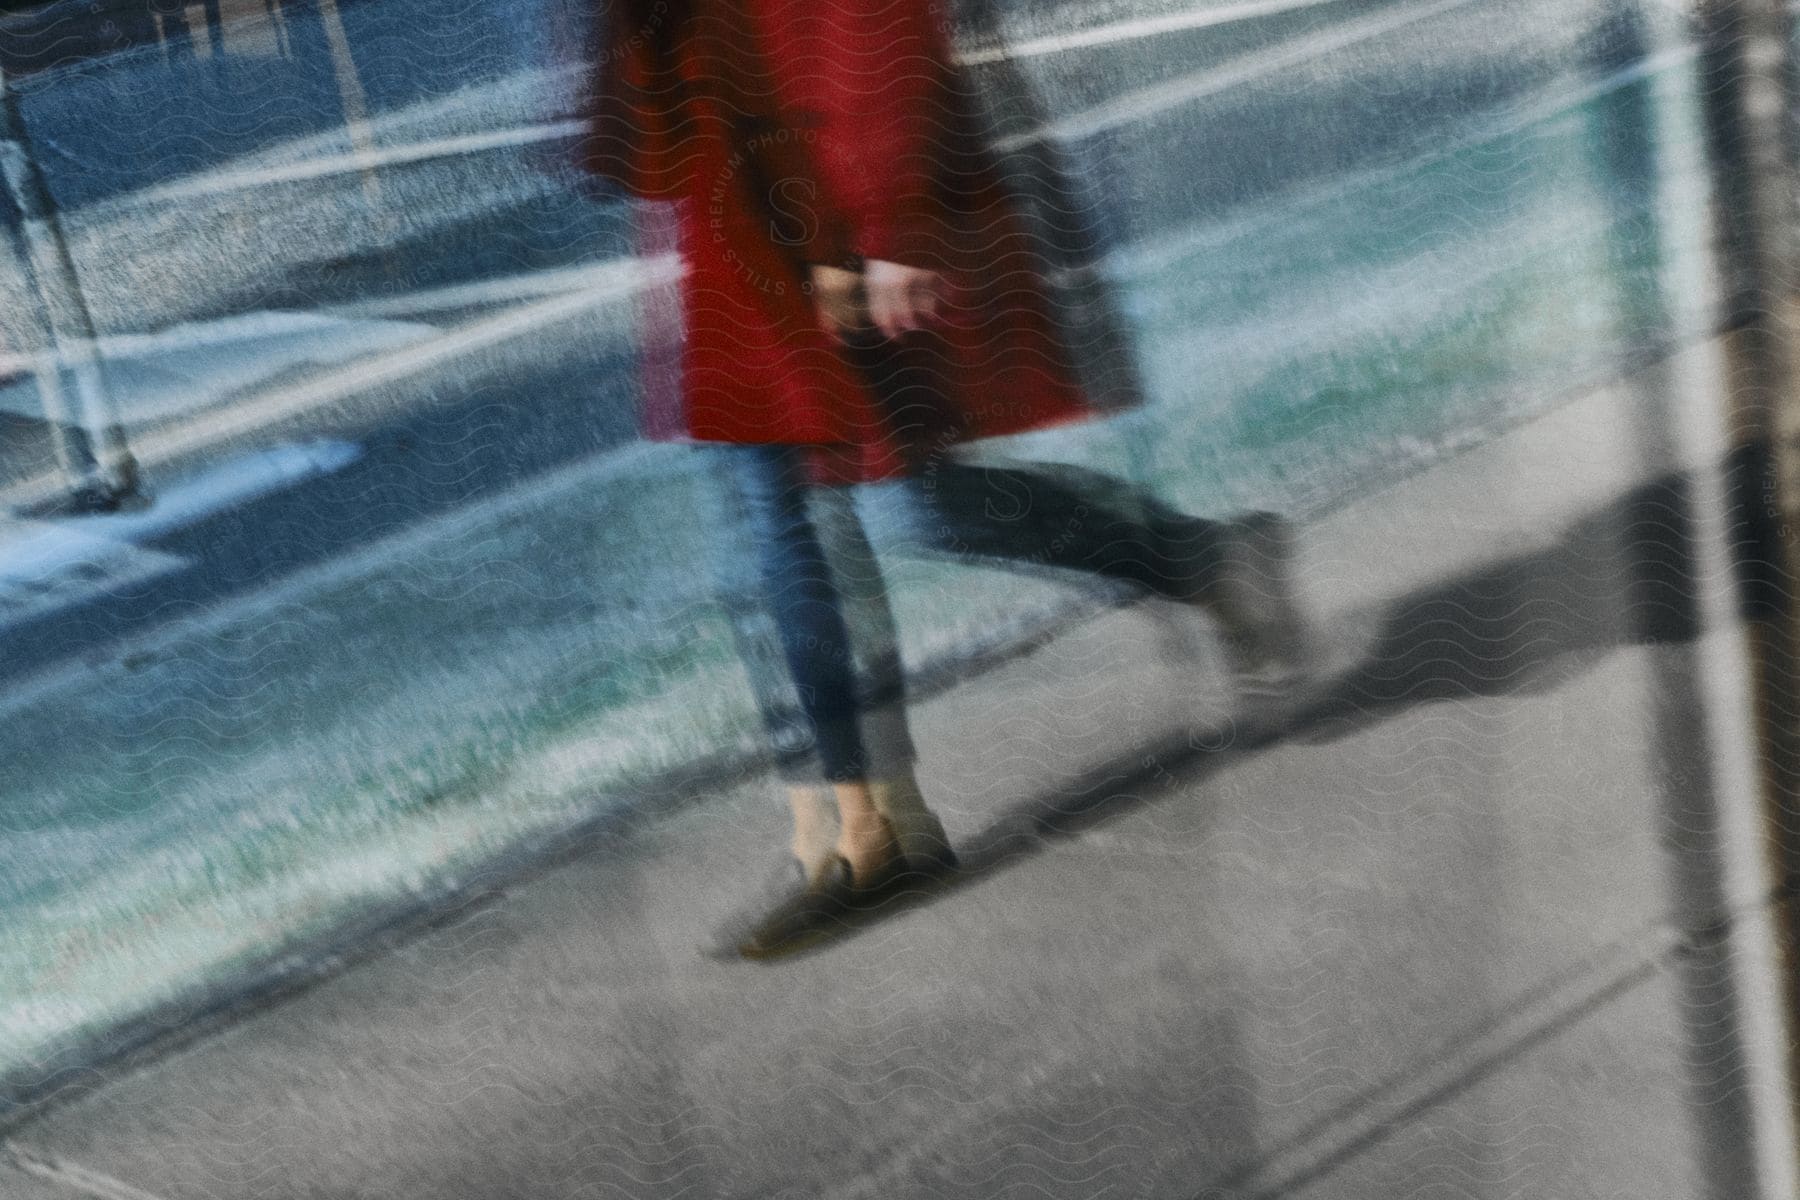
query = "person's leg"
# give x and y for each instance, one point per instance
(1068, 517)
(886, 735)
(777, 582)
(1085, 520)
(819, 743)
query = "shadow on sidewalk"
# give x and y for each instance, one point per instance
(1632, 573)
(1626, 574)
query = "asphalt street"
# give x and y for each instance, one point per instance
(424, 257)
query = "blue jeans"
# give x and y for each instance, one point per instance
(1023, 516)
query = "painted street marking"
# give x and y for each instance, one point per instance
(193, 366)
(402, 546)
(1149, 101)
(369, 158)
(364, 160)
(623, 279)
(50, 565)
(1132, 30)
(46, 566)
(1157, 254)
(531, 285)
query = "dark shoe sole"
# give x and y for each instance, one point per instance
(799, 912)
(906, 875)
(809, 915)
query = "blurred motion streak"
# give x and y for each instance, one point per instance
(1747, 89)
(98, 468)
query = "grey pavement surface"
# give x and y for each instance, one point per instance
(1420, 944)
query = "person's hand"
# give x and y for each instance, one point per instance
(888, 295)
(901, 298)
(838, 299)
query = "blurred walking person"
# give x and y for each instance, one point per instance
(862, 298)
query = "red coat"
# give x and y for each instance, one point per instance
(788, 132)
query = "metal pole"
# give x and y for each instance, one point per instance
(91, 448)
(1747, 84)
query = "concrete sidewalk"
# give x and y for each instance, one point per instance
(1426, 942)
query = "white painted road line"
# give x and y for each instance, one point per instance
(1132, 30)
(549, 131)
(406, 545)
(626, 278)
(195, 366)
(530, 285)
(1156, 254)
(363, 160)
(50, 565)
(359, 376)
(1157, 98)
